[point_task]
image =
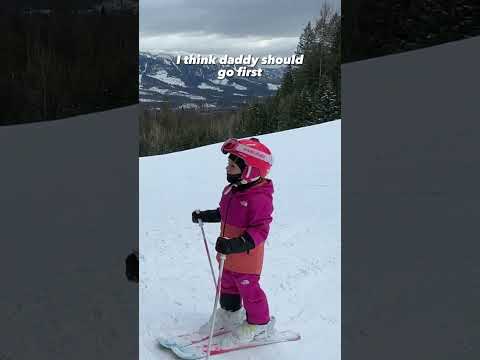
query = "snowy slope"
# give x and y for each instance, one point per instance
(301, 273)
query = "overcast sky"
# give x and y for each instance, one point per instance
(231, 27)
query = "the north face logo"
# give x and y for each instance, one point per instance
(245, 282)
(244, 203)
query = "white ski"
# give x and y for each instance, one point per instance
(187, 339)
(199, 349)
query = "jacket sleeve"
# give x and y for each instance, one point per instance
(211, 216)
(260, 211)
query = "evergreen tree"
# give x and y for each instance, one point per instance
(307, 40)
(287, 85)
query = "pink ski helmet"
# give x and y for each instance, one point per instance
(256, 156)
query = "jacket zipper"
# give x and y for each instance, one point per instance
(226, 215)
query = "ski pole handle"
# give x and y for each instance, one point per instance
(200, 221)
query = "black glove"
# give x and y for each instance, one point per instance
(131, 267)
(234, 245)
(209, 216)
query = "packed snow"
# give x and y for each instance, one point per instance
(301, 274)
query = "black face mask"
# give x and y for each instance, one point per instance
(232, 179)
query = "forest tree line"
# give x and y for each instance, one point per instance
(65, 64)
(381, 27)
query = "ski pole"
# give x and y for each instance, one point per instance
(200, 223)
(217, 296)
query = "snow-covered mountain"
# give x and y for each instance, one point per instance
(301, 275)
(161, 79)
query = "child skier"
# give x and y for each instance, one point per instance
(245, 214)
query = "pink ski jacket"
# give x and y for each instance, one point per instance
(247, 210)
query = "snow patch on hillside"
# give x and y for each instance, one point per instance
(162, 75)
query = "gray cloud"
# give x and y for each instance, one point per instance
(221, 26)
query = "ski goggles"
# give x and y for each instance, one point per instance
(230, 145)
(236, 147)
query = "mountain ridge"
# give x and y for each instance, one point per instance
(197, 86)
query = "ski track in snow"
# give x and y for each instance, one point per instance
(301, 274)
